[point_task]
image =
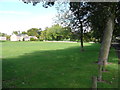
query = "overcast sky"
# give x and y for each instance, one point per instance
(18, 16)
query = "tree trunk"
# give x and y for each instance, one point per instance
(100, 66)
(106, 42)
(81, 36)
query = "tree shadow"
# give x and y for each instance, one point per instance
(63, 68)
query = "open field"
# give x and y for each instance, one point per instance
(54, 65)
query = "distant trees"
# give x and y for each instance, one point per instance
(2, 34)
(34, 32)
(56, 32)
(16, 32)
(24, 32)
(43, 35)
(33, 39)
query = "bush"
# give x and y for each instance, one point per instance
(40, 39)
(23, 39)
(32, 39)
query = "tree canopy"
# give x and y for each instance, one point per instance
(56, 32)
(34, 32)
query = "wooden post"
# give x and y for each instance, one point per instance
(94, 83)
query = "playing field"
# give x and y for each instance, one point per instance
(54, 65)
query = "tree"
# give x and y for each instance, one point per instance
(57, 32)
(46, 3)
(43, 34)
(81, 14)
(24, 32)
(34, 32)
(108, 15)
(2, 34)
(75, 17)
(66, 33)
(16, 32)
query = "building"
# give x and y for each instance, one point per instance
(3, 38)
(21, 37)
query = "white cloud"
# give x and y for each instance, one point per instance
(15, 12)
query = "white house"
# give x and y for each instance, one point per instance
(14, 38)
(3, 38)
(21, 37)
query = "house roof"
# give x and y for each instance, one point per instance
(25, 36)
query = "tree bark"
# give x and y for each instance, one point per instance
(100, 66)
(105, 46)
(81, 36)
(106, 42)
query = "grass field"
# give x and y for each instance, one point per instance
(54, 65)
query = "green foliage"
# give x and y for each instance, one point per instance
(34, 32)
(99, 13)
(24, 32)
(56, 32)
(2, 34)
(43, 34)
(8, 37)
(53, 32)
(32, 39)
(16, 32)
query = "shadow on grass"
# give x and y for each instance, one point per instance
(1, 41)
(63, 68)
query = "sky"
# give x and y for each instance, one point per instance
(18, 16)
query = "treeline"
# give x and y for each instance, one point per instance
(59, 33)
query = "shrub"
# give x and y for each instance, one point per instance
(32, 39)
(23, 39)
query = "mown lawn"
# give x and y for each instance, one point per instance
(54, 65)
